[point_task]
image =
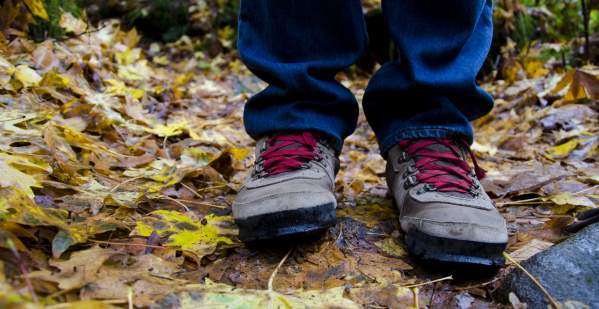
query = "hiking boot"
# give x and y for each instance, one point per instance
(444, 211)
(290, 191)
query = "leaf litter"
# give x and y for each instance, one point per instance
(120, 162)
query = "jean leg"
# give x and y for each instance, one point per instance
(431, 90)
(297, 47)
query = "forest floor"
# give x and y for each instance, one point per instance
(120, 162)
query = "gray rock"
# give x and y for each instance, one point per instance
(568, 270)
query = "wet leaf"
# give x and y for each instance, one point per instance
(199, 237)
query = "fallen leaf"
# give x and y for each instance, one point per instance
(71, 24)
(198, 237)
(12, 177)
(81, 268)
(37, 8)
(26, 76)
(531, 248)
(571, 199)
(563, 150)
(391, 247)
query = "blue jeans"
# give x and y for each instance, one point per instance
(297, 47)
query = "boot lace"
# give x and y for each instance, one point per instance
(287, 152)
(440, 164)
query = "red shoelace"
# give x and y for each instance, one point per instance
(453, 175)
(288, 151)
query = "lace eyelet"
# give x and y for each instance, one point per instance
(410, 182)
(429, 188)
(403, 157)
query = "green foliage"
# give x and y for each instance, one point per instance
(594, 22)
(524, 30)
(42, 29)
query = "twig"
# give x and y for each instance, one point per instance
(59, 293)
(416, 302)
(274, 273)
(211, 187)
(537, 200)
(69, 305)
(517, 203)
(477, 285)
(203, 203)
(130, 297)
(587, 189)
(124, 182)
(176, 201)
(168, 155)
(552, 300)
(124, 244)
(427, 282)
(430, 301)
(192, 190)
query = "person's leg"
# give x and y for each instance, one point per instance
(420, 108)
(297, 47)
(302, 117)
(431, 90)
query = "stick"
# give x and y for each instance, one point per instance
(176, 201)
(125, 244)
(124, 182)
(416, 302)
(427, 282)
(538, 200)
(274, 273)
(130, 297)
(552, 300)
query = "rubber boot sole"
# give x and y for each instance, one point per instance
(460, 253)
(464, 252)
(287, 224)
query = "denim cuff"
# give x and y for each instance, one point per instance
(385, 144)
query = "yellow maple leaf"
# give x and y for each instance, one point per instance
(119, 88)
(12, 177)
(37, 8)
(171, 129)
(563, 150)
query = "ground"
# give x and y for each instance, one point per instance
(121, 160)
